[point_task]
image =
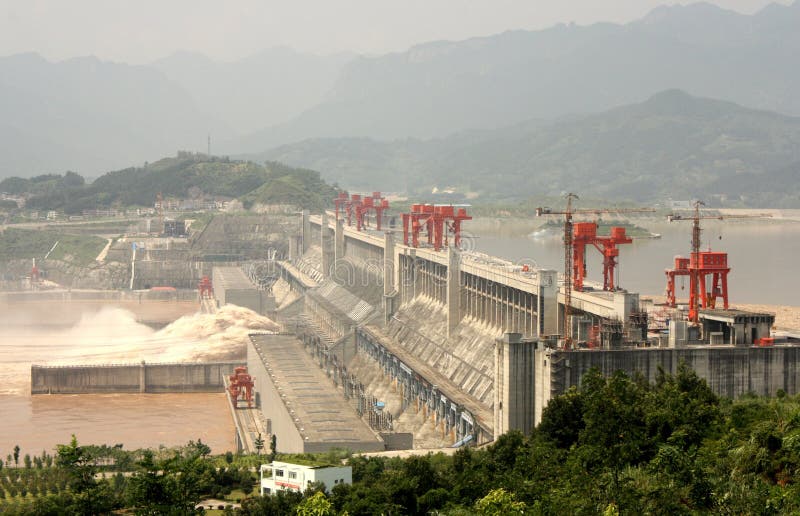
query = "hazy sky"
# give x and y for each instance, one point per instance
(138, 31)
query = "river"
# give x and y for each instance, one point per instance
(763, 256)
(112, 335)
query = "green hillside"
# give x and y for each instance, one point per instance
(673, 145)
(16, 244)
(182, 177)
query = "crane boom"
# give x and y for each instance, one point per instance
(569, 258)
(695, 270)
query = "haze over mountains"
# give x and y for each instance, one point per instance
(92, 116)
(264, 89)
(438, 88)
(672, 145)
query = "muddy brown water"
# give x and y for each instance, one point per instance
(75, 334)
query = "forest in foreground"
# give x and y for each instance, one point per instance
(616, 445)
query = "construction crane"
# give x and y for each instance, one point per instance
(700, 264)
(569, 259)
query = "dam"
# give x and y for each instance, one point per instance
(452, 346)
(472, 341)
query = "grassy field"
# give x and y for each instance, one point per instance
(17, 244)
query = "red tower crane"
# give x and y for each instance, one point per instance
(699, 265)
(610, 252)
(438, 221)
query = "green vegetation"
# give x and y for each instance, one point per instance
(287, 185)
(16, 244)
(670, 146)
(187, 176)
(616, 445)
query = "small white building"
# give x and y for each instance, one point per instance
(278, 476)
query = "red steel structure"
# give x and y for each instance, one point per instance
(585, 234)
(359, 207)
(569, 256)
(206, 288)
(241, 386)
(438, 221)
(341, 202)
(34, 273)
(699, 265)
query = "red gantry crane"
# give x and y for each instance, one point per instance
(241, 386)
(360, 207)
(439, 222)
(206, 288)
(699, 265)
(576, 237)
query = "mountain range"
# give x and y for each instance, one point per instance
(91, 116)
(438, 88)
(671, 145)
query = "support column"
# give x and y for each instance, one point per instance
(306, 228)
(325, 245)
(389, 285)
(514, 384)
(547, 307)
(142, 377)
(338, 247)
(453, 289)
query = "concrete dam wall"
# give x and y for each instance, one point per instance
(130, 378)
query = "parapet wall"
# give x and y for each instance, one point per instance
(130, 378)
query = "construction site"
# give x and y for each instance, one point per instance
(391, 335)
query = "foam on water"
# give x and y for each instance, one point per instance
(112, 336)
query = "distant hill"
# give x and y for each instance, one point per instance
(185, 176)
(90, 116)
(438, 88)
(672, 145)
(267, 88)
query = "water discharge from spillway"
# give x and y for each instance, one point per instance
(54, 334)
(113, 336)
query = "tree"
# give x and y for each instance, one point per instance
(499, 503)
(615, 434)
(315, 505)
(259, 443)
(172, 485)
(199, 448)
(16, 455)
(88, 496)
(273, 448)
(562, 419)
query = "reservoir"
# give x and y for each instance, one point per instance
(763, 256)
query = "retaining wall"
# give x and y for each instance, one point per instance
(130, 378)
